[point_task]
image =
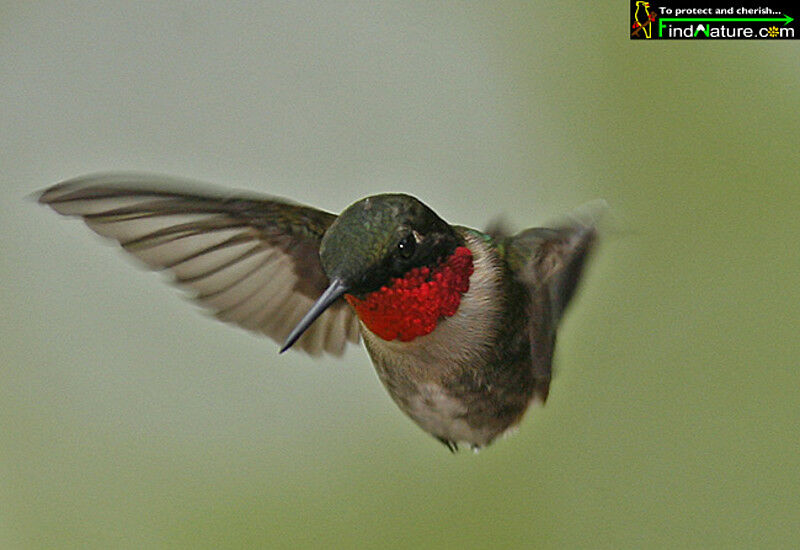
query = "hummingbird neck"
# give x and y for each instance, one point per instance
(412, 305)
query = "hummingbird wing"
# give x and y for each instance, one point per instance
(252, 260)
(549, 262)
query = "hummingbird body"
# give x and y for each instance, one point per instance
(459, 324)
(469, 379)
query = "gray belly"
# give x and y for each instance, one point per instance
(454, 403)
(445, 416)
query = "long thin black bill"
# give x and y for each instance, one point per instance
(331, 294)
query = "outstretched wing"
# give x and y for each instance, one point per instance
(252, 260)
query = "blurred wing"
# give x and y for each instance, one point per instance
(549, 263)
(553, 259)
(556, 262)
(251, 260)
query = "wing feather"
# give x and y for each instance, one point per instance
(251, 260)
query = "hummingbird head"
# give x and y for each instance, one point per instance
(377, 242)
(382, 237)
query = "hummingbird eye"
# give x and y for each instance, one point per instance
(407, 246)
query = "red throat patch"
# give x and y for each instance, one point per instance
(411, 305)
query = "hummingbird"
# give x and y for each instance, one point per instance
(460, 324)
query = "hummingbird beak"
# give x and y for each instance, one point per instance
(331, 294)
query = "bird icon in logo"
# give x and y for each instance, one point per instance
(643, 18)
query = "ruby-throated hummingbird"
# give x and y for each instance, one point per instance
(460, 324)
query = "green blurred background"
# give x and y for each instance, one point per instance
(128, 420)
